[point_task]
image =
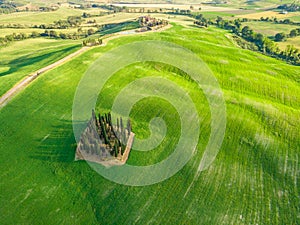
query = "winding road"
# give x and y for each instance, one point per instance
(21, 85)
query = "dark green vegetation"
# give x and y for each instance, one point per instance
(290, 7)
(103, 138)
(254, 179)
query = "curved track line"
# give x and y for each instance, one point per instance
(17, 88)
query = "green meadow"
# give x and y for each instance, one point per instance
(268, 28)
(21, 58)
(253, 180)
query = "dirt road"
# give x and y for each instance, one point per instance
(4, 99)
(28, 79)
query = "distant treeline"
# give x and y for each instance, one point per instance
(10, 7)
(282, 36)
(257, 41)
(180, 12)
(47, 33)
(290, 8)
(70, 22)
(275, 20)
(74, 22)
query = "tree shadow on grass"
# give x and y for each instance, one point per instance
(26, 60)
(59, 145)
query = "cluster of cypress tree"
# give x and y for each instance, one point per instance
(114, 137)
(92, 42)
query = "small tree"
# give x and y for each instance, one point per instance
(246, 30)
(293, 33)
(63, 36)
(280, 37)
(90, 31)
(35, 34)
(128, 126)
(103, 130)
(118, 125)
(53, 33)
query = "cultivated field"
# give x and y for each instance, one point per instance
(290, 41)
(254, 179)
(270, 29)
(271, 14)
(37, 18)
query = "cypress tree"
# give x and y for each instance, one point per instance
(120, 147)
(103, 131)
(115, 149)
(94, 115)
(121, 130)
(109, 119)
(99, 126)
(121, 124)
(106, 118)
(128, 127)
(123, 149)
(118, 125)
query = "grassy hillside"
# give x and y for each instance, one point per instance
(21, 58)
(254, 180)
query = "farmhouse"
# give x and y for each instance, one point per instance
(151, 23)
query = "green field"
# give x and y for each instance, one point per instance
(290, 41)
(257, 4)
(269, 29)
(295, 18)
(254, 180)
(214, 15)
(37, 18)
(21, 58)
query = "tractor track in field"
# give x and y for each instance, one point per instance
(22, 84)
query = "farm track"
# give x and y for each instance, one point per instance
(31, 77)
(17, 88)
